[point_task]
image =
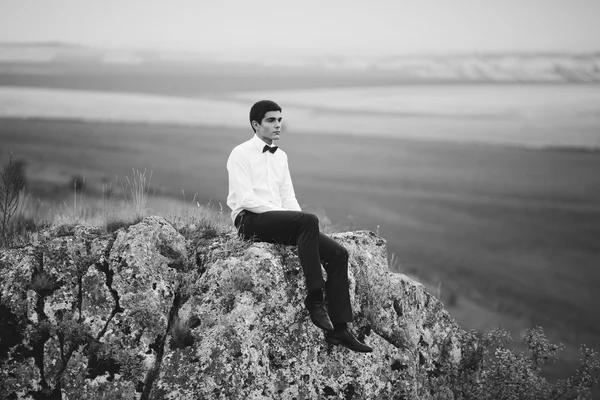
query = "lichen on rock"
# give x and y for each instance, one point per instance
(146, 313)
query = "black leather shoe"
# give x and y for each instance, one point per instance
(344, 337)
(318, 314)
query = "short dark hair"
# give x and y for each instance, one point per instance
(260, 108)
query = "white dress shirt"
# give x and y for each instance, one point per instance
(259, 182)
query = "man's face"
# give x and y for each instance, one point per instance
(270, 127)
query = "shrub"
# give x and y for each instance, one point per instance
(490, 370)
(18, 212)
(12, 181)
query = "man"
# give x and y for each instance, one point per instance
(264, 208)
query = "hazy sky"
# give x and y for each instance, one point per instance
(398, 26)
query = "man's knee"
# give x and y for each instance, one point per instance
(310, 219)
(339, 256)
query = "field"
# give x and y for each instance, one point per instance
(505, 236)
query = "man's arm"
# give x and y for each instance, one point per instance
(286, 190)
(241, 183)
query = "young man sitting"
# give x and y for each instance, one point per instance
(264, 208)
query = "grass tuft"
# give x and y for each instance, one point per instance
(138, 189)
(181, 332)
(200, 223)
(43, 284)
(107, 213)
(242, 282)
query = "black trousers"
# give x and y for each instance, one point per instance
(301, 229)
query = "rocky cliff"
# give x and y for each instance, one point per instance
(155, 312)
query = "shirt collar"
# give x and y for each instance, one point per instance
(258, 143)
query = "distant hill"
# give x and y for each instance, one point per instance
(508, 67)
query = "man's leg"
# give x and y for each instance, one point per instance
(302, 229)
(290, 228)
(294, 228)
(335, 261)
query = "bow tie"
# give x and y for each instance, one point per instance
(269, 148)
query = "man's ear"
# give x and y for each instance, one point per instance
(255, 124)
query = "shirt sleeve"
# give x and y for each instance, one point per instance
(286, 190)
(241, 184)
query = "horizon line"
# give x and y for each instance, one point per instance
(303, 52)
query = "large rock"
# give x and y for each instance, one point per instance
(146, 313)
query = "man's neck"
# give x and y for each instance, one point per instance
(267, 141)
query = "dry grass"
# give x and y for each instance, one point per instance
(196, 221)
(120, 206)
(109, 212)
(138, 190)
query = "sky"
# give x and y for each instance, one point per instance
(310, 26)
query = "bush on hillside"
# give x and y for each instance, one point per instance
(490, 370)
(12, 181)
